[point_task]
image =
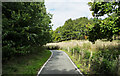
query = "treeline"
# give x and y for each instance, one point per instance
(73, 29)
(24, 25)
(94, 28)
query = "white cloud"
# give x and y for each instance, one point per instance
(66, 9)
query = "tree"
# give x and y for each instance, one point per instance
(57, 35)
(73, 29)
(25, 24)
(109, 26)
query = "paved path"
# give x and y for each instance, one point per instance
(59, 63)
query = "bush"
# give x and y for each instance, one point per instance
(104, 62)
(52, 47)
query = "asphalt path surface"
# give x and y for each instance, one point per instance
(59, 63)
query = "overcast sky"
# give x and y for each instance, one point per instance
(63, 10)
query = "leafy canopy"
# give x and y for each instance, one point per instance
(24, 24)
(109, 26)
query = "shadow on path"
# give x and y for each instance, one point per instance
(59, 65)
(61, 73)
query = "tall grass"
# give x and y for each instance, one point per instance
(98, 58)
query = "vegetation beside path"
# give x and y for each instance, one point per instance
(25, 29)
(99, 58)
(26, 65)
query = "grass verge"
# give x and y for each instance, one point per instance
(26, 65)
(82, 69)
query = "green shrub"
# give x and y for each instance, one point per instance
(52, 47)
(104, 62)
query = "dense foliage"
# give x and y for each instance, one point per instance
(94, 28)
(109, 26)
(73, 29)
(24, 24)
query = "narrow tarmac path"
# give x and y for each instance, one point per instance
(59, 63)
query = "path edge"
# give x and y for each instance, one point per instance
(73, 64)
(45, 63)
